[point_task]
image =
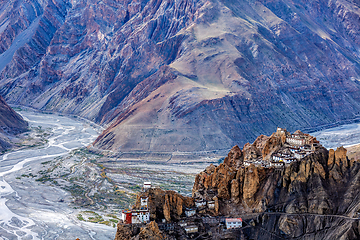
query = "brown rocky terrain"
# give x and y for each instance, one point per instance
(167, 205)
(150, 232)
(183, 75)
(354, 152)
(316, 197)
(11, 124)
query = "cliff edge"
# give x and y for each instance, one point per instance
(314, 197)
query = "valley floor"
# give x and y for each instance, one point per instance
(53, 187)
(57, 189)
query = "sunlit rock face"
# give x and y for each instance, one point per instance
(184, 75)
(315, 197)
(302, 198)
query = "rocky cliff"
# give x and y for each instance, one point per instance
(133, 232)
(315, 197)
(11, 124)
(167, 205)
(183, 75)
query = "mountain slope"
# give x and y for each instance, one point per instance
(11, 124)
(191, 75)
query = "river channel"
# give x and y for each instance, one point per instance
(345, 135)
(32, 210)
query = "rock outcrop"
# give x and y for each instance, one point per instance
(126, 231)
(183, 75)
(135, 232)
(320, 189)
(314, 197)
(167, 205)
(11, 124)
(235, 158)
(150, 231)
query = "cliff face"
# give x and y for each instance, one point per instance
(151, 231)
(11, 124)
(167, 205)
(183, 75)
(314, 198)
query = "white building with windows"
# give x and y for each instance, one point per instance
(211, 204)
(233, 223)
(246, 163)
(189, 212)
(140, 216)
(299, 155)
(296, 140)
(183, 224)
(191, 229)
(144, 201)
(146, 186)
(290, 160)
(277, 164)
(200, 203)
(294, 149)
(277, 158)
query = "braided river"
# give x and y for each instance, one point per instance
(32, 210)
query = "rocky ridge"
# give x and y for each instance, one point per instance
(11, 124)
(315, 198)
(167, 76)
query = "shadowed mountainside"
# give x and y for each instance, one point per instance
(11, 124)
(184, 75)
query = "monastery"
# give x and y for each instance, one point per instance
(294, 148)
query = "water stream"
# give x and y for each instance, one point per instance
(31, 210)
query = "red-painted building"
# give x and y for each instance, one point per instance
(126, 216)
(135, 216)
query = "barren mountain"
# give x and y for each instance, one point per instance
(184, 75)
(11, 124)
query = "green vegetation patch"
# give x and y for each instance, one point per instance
(29, 175)
(112, 216)
(80, 217)
(93, 217)
(114, 220)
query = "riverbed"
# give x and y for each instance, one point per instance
(35, 203)
(32, 210)
(344, 135)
